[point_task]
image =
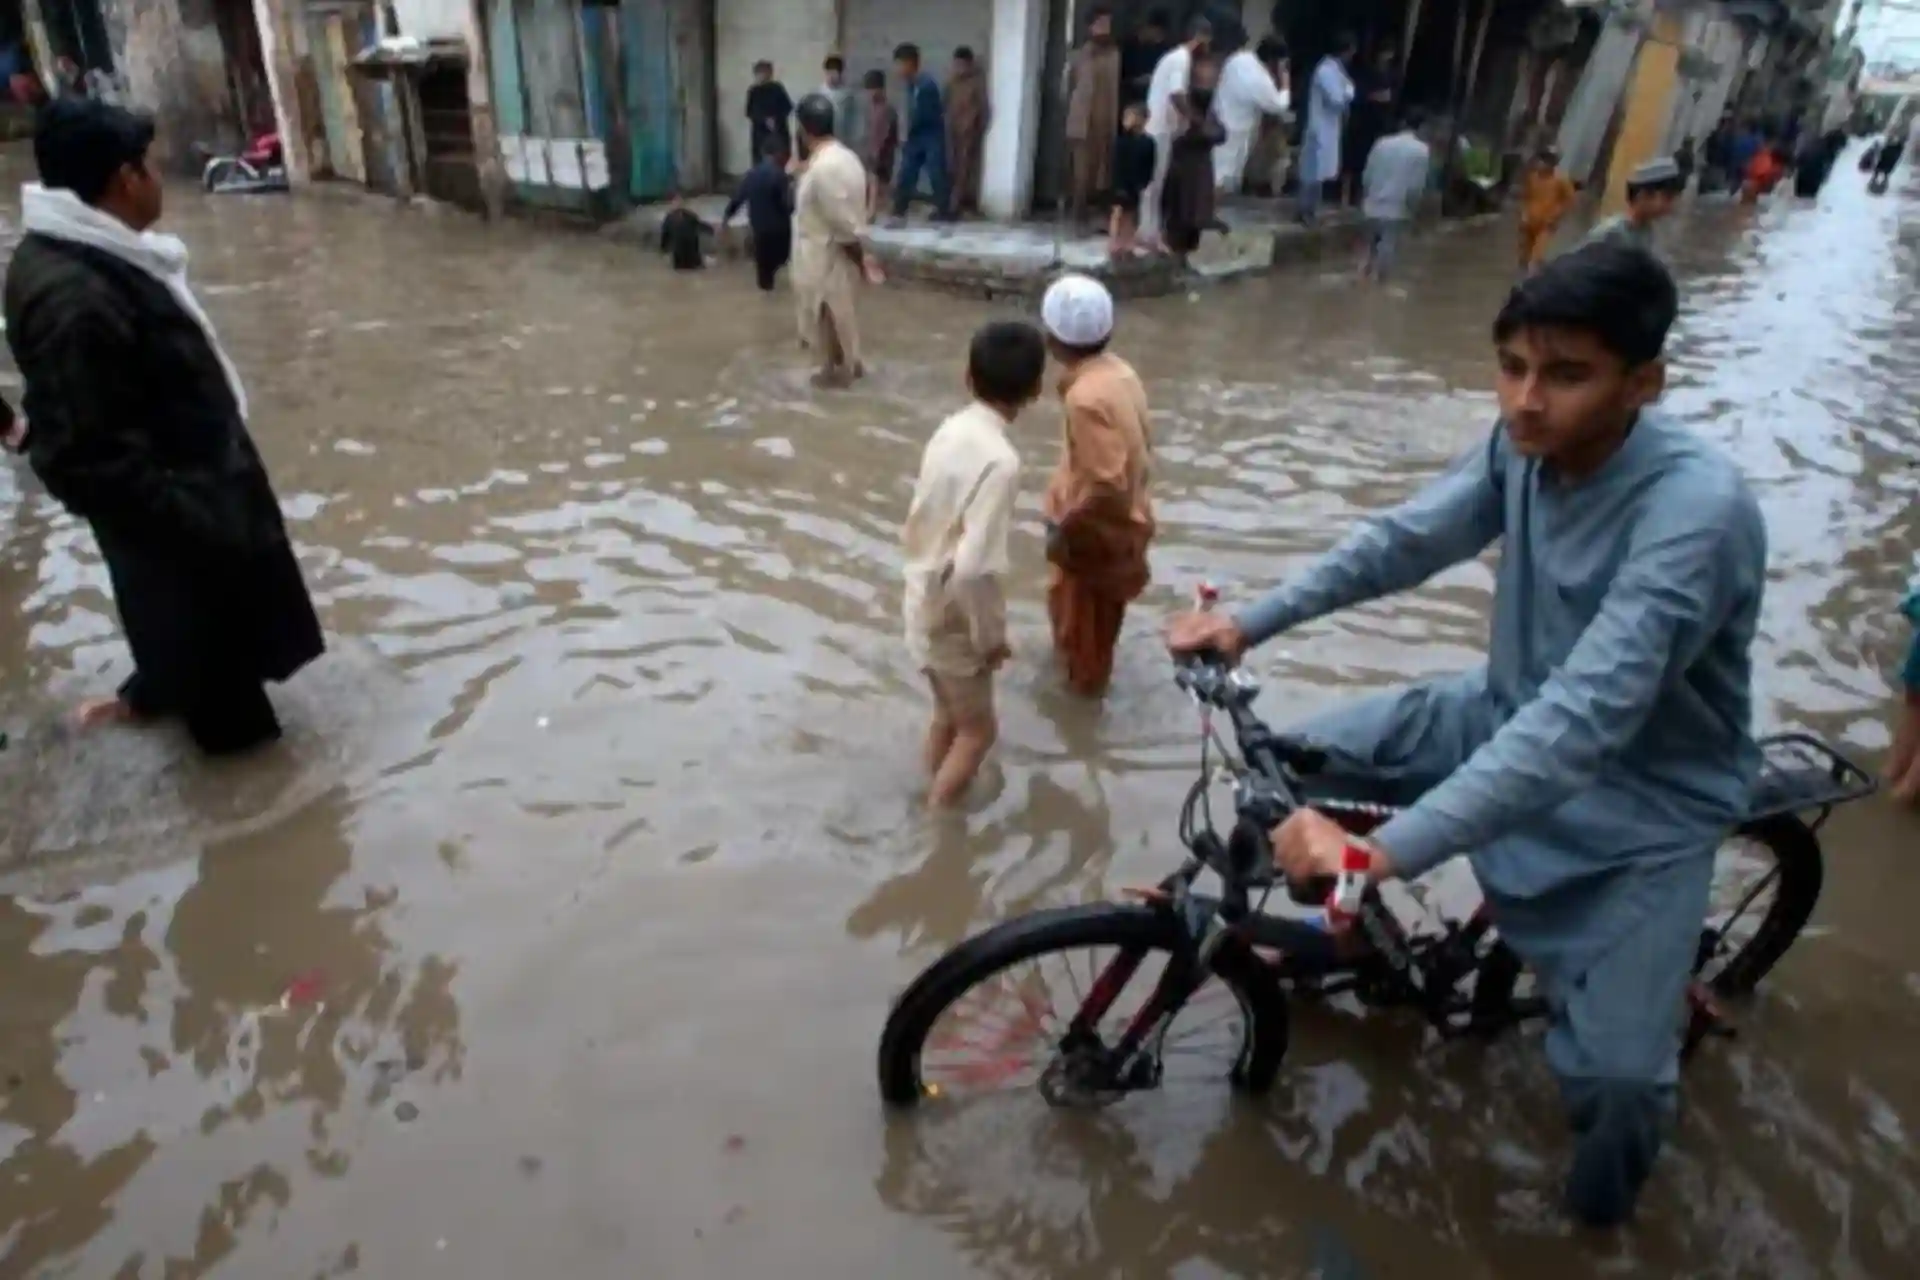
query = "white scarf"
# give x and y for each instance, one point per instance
(61, 215)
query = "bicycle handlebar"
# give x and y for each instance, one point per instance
(1270, 791)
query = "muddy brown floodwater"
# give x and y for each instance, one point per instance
(557, 937)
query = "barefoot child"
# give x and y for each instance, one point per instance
(1098, 506)
(1134, 154)
(955, 546)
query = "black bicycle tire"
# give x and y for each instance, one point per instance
(1070, 928)
(1796, 850)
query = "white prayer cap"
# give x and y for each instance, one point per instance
(1078, 311)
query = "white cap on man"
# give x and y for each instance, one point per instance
(1078, 311)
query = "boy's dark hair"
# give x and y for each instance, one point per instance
(1270, 50)
(963, 54)
(1007, 362)
(80, 144)
(763, 65)
(1199, 28)
(1099, 11)
(775, 148)
(906, 53)
(1618, 292)
(1157, 18)
(1346, 42)
(833, 63)
(814, 115)
(1414, 118)
(875, 79)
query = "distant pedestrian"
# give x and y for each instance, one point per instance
(954, 545)
(1392, 184)
(1250, 94)
(1188, 203)
(1652, 191)
(1685, 160)
(767, 195)
(1167, 119)
(829, 249)
(1764, 171)
(1328, 101)
(1546, 197)
(140, 429)
(1142, 53)
(880, 143)
(1093, 114)
(1887, 158)
(1716, 158)
(1134, 162)
(968, 114)
(925, 149)
(769, 110)
(1099, 502)
(844, 97)
(683, 235)
(1372, 117)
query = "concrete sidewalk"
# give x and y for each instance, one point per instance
(995, 259)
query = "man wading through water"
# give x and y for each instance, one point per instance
(1591, 768)
(829, 258)
(139, 428)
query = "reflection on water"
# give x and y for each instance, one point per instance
(557, 937)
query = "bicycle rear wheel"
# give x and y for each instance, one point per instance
(1031, 964)
(1767, 880)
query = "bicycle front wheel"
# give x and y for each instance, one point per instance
(994, 1014)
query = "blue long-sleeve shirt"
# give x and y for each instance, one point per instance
(926, 114)
(1616, 697)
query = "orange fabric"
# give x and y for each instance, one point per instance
(1086, 630)
(1545, 200)
(1100, 494)
(1763, 174)
(1534, 242)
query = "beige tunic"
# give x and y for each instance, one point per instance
(829, 216)
(955, 544)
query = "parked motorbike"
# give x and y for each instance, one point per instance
(261, 167)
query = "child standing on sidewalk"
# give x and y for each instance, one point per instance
(955, 547)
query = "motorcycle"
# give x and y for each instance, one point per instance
(261, 167)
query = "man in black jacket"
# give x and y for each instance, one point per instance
(139, 428)
(767, 194)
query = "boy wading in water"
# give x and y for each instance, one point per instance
(955, 547)
(1099, 510)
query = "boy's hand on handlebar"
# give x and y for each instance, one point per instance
(1199, 632)
(1311, 846)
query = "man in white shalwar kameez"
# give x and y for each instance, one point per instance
(1166, 116)
(1328, 102)
(1247, 94)
(829, 255)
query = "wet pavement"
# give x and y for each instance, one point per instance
(557, 937)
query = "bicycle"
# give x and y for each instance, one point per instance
(1463, 980)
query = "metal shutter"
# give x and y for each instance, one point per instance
(795, 35)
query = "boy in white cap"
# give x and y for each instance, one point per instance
(1099, 509)
(955, 547)
(1652, 191)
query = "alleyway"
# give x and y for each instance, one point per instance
(593, 859)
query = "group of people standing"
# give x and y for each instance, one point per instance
(940, 137)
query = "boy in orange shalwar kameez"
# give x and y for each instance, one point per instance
(1098, 507)
(1545, 200)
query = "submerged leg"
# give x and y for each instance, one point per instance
(232, 717)
(969, 701)
(1614, 1044)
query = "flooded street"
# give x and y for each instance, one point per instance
(557, 938)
